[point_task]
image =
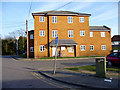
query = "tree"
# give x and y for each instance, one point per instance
(8, 46)
(9, 43)
(20, 32)
(0, 45)
(22, 43)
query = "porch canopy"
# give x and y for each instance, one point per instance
(63, 42)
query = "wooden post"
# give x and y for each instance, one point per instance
(27, 39)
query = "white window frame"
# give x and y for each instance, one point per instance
(91, 47)
(54, 19)
(54, 33)
(70, 33)
(81, 19)
(62, 48)
(70, 49)
(42, 32)
(102, 34)
(31, 36)
(70, 19)
(42, 19)
(82, 47)
(91, 34)
(103, 47)
(31, 49)
(42, 48)
(82, 33)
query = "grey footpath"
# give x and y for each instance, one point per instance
(82, 80)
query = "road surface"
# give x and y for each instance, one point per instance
(21, 74)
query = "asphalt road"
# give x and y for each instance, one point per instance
(49, 64)
(20, 74)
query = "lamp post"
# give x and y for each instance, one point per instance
(17, 44)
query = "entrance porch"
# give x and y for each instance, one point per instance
(66, 48)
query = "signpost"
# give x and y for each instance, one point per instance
(17, 44)
(56, 42)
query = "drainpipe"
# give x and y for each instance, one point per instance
(48, 34)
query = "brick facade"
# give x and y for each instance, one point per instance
(31, 43)
(62, 26)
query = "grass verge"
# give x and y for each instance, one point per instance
(24, 56)
(69, 57)
(91, 69)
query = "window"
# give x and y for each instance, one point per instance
(114, 55)
(70, 19)
(102, 34)
(91, 34)
(42, 48)
(116, 43)
(119, 55)
(70, 49)
(103, 47)
(81, 19)
(82, 47)
(82, 33)
(91, 47)
(42, 33)
(42, 19)
(31, 49)
(54, 33)
(54, 19)
(70, 33)
(31, 36)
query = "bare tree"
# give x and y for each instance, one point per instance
(20, 32)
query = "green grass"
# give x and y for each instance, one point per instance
(91, 68)
(113, 69)
(116, 48)
(21, 55)
(69, 57)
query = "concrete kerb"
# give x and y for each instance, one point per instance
(60, 74)
(80, 85)
(69, 83)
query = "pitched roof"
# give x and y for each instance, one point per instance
(63, 42)
(60, 13)
(31, 31)
(99, 28)
(116, 38)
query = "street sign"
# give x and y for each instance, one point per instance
(56, 40)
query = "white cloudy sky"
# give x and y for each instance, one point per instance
(14, 14)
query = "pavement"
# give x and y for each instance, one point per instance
(82, 80)
(79, 79)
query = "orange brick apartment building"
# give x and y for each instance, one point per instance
(76, 37)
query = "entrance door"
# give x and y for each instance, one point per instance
(53, 51)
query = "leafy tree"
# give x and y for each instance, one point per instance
(8, 46)
(9, 43)
(0, 45)
(22, 43)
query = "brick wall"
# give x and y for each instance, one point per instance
(62, 26)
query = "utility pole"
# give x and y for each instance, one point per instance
(27, 39)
